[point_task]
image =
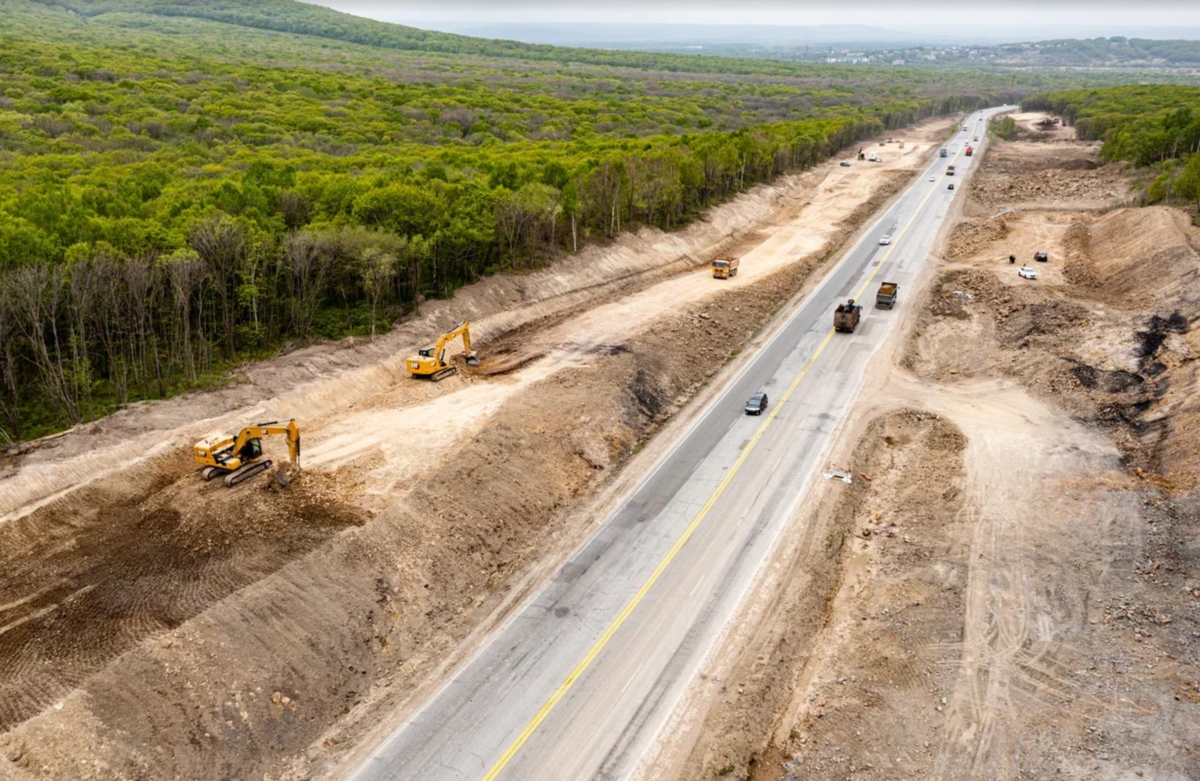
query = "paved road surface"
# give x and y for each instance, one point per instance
(578, 682)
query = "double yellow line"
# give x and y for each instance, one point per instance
(633, 603)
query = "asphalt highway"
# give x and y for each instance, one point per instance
(578, 683)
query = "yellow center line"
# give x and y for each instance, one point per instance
(621, 618)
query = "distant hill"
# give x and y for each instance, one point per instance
(629, 36)
(290, 16)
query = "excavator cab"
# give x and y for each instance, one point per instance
(252, 450)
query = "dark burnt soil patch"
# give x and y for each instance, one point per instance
(1034, 335)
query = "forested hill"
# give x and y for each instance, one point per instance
(179, 194)
(294, 17)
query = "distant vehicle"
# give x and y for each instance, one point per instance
(844, 164)
(846, 316)
(886, 297)
(1027, 272)
(873, 157)
(933, 178)
(885, 240)
(976, 138)
(950, 171)
(756, 404)
(724, 268)
(943, 153)
(970, 151)
(1041, 257)
(950, 186)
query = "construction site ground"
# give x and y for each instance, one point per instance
(156, 626)
(1010, 586)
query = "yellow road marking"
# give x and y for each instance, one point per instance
(599, 645)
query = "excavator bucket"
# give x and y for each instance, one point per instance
(472, 360)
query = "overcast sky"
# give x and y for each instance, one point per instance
(960, 14)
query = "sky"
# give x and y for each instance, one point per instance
(1090, 15)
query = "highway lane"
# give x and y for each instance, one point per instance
(578, 683)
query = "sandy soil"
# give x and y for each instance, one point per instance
(1011, 586)
(154, 626)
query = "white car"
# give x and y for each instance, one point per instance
(933, 178)
(1026, 272)
(886, 240)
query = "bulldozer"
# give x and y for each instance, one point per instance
(430, 362)
(239, 458)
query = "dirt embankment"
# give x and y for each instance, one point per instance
(1019, 595)
(830, 645)
(160, 627)
(1108, 330)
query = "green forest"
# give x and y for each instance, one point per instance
(185, 186)
(1146, 125)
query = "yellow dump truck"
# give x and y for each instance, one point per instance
(724, 268)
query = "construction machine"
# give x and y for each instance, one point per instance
(239, 458)
(725, 268)
(430, 362)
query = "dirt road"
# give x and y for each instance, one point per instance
(1012, 588)
(263, 630)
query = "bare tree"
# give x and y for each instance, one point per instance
(141, 282)
(185, 274)
(38, 293)
(295, 209)
(307, 260)
(111, 322)
(9, 394)
(84, 291)
(222, 244)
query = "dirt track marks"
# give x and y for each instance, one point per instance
(82, 586)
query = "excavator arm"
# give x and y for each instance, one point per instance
(273, 428)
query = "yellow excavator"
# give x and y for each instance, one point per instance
(240, 458)
(430, 362)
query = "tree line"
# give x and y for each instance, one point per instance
(103, 327)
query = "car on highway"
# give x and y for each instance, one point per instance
(950, 186)
(1041, 257)
(885, 240)
(976, 138)
(844, 164)
(1026, 272)
(933, 178)
(756, 404)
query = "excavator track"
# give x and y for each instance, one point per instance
(442, 374)
(244, 473)
(212, 472)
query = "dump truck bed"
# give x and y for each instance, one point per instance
(886, 297)
(845, 317)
